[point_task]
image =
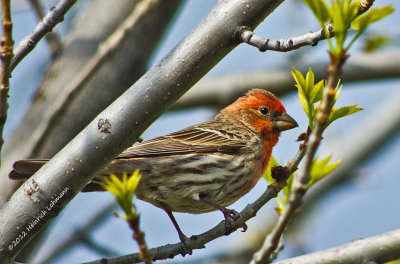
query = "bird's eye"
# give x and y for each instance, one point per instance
(264, 110)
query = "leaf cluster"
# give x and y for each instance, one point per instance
(310, 96)
(123, 190)
(319, 170)
(344, 15)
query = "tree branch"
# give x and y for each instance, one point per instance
(367, 144)
(52, 38)
(57, 182)
(343, 147)
(246, 35)
(377, 249)
(138, 235)
(300, 182)
(104, 53)
(6, 55)
(198, 241)
(222, 90)
(302, 178)
(55, 16)
(114, 77)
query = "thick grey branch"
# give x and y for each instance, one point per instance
(104, 53)
(379, 249)
(45, 194)
(117, 73)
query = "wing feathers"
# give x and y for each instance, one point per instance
(190, 140)
(23, 169)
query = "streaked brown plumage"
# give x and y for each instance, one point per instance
(203, 167)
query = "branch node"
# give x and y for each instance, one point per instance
(242, 33)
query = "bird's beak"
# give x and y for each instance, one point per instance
(284, 122)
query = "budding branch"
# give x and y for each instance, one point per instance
(6, 55)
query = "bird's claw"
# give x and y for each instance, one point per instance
(230, 215)
(233, 214)
(185, 249)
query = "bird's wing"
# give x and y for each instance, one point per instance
(195, 139)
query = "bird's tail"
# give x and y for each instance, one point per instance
(23, 169)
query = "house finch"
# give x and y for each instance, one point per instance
(202, 168)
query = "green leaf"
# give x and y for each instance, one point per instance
(338, 92)
(309, 88)
(375, 42)
(309, 82)
(298, 77)
(320, 10)
(317, 92)
(133, 182)
(288, 188)
(350, 11)
(309, 93)
(304, 103)
(281, 205)
(320, 169)
(342, 112)
(343, 13)
(301, 88)
(338, 22)
(373, 15)
(267, 174)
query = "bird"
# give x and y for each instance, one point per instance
(204, 167)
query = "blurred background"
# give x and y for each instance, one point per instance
(360, 202)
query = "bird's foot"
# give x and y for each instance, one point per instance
(185, 249)
(230, 215)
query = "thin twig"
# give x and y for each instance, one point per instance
(199, 241)
(52, 38)
(302, 178)
(246, 35)
(6, 54)
(104, 52)
(55, 16)
(364, 6)
(300, 182)
(138, 235)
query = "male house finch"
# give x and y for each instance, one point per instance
(202, 168)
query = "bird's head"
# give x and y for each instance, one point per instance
(261, 111)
